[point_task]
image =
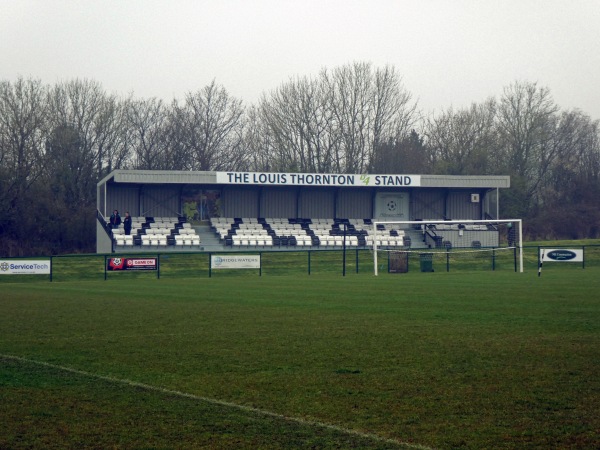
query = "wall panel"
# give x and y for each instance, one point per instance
(354, 204)
(122, 198)
(460, 206)
(278, 203)
(239, 202)
(427, 204)
(316, 203)
(160, 201)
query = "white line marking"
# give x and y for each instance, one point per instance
(148, 387)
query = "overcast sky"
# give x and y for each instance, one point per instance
(449, 52)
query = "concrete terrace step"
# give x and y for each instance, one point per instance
(208, 239)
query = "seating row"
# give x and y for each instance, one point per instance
(307, 241)
(305, 232)
(161, 231)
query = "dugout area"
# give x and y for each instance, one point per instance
(178, 210)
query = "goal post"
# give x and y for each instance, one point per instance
(448, 237)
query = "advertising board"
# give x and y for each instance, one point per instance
(235, 261)
(116, 264)
(561, 254)
(25, 267)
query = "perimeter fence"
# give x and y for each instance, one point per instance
(171, 265)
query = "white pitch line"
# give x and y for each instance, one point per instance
(148, 387)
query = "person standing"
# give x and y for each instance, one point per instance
(512, 235)
(115, 219)
(127, 223)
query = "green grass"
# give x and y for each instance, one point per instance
(459, 359)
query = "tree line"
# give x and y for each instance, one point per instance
(57, 141)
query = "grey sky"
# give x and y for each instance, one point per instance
(449, 52)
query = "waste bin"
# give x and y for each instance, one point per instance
(426, 260)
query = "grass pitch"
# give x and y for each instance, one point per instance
(444, 360)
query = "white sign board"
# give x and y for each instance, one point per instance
(25, 267)
(561, 254)
(235, 261)
(318, 179)
(392, 206)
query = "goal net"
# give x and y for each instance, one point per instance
(465, 243)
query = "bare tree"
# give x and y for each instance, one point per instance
(370, 107)
(178, 154)
(298, 120)
(112, 137)
(525, 122)
(262, 154)
(23, 123)
(406, 155)
(86, 139)
(570, 189)
(351, 98)
(98, 119)
(147, 121)
(334, 122)
(463, 142)
(577, 149)
(210, 129)
(395, 111)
